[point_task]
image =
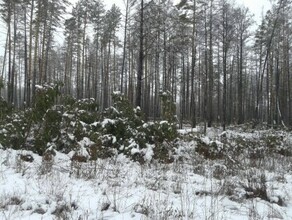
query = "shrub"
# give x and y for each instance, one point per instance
(5, 109)
(124, 130)
(49, 130)
(34, 127)
(118, 129)
(14, 130)
(44, 99)
(87, 110)
(210, 150)
(79, 120)
(168, 107)
(121, 127)
(275, 144)
(89, 105)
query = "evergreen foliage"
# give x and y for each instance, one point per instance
(118, 129)
(4, 108)
(123, 128)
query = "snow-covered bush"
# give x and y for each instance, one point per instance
(123, 129)
(86, 110)
(34, 127)
(168, 107)
(119, 129)
(44, 118)
(5, 109)
(275, 144)
(209, 149)
(44, 99)
(79, 120)
(164, 133)
(13, 130)
(49, 130)
(163, 136)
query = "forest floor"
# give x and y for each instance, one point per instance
(240, 185)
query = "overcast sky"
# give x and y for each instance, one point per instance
(257, 7)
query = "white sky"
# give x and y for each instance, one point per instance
(257, 7)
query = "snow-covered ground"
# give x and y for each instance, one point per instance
(117, 188)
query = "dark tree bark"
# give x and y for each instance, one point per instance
(124, 47)
(210, 72)
(141, 58)
(193, 65)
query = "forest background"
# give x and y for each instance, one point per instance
(218, 65)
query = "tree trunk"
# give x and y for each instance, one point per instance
(193, 65)
(240, 73)
(4, 61)
(30, 61)
(210, 72)
(25, 61)
(124, 47)
(10, 88)
(141, 58)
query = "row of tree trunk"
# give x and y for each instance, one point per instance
(205, 53)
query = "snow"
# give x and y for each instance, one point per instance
(163, 122)
(107, 121)
(3, 131)
(72, 123)
(71, 136)
(148, 152)
(117, 188)
(69, 116)
(187, 131)
(145, 125)
(206, 140)
(95, 124)
(85, 142)
(39, 87)
(134, 150)
(117, 93)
